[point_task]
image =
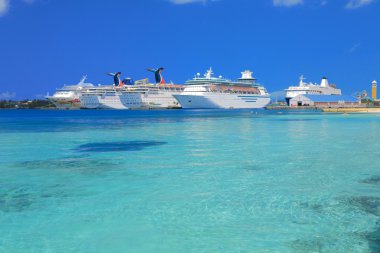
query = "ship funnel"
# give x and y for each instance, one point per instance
(246, 77)
(324, 82)
(158, 75)
(246, 74)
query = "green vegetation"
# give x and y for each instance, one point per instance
(26, 104)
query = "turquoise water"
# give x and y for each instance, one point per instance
(188, 181)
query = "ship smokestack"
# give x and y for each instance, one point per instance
(246, 74)
(246, 77)
(158, 75)
(324, 82)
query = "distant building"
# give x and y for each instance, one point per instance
(374, 90)
(324, 101)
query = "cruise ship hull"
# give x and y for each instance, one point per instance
(65, 103)
(112, 101)
(160, 100)
(136, 100)
(222, 101)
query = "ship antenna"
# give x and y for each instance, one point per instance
(83, 79)
(209, 73)
(301, 80)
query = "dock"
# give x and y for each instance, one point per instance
(290, 108)
(353, 110)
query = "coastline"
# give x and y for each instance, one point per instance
(352, 110)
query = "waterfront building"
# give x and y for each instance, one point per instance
(324, 88)
(324, 101)
(374, 90)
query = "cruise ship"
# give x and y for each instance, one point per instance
(141, 95)
(311, 88)
(147, 96)
(89, 96)
(208, 92)
(68, 97)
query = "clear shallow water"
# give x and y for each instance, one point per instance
(188, 181)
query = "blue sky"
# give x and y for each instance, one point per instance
(47, 43)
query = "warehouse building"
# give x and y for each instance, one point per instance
(324, 101)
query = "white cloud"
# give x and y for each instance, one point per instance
(354, 4)
(287, 3)
(4, 7)
(354, 48)
(29, 1)
(7, 95)
(190, 1)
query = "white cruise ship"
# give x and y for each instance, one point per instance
(68, 97)
(141, 95)
(147, 96)
(312, 89)
(88, 96)
(210, 92)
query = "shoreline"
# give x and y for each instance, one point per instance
(352, 110)
(367, 110)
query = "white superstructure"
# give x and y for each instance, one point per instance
(210, 92)
(311, 89)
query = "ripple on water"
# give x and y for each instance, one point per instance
(85, 165)
(373, 239)
(295, 120)
(15, 201)
(312, 206)
(117, 146)
(23, 198)
(307, 245)
(369, 205)
(375, 180)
